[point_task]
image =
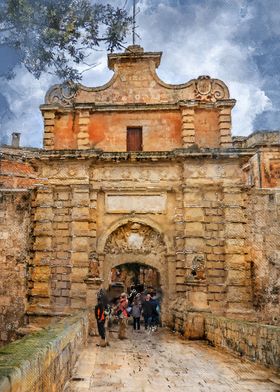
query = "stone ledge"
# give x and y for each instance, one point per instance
(258, 342)
(43, 360)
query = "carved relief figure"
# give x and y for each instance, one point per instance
(135, 238)
(198, 268)
(93, 266)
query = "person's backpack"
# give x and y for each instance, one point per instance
(128, 310)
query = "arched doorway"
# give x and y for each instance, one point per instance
(134, 276)
(137, 245)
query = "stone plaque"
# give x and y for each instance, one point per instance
(125, 203)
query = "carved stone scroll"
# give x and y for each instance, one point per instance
(62, 94)
(209, 90)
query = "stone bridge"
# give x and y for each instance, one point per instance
(63, 358)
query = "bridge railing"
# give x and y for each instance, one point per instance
(43, 360)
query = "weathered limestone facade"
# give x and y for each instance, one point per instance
(183, 203)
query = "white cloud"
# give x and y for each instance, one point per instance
(251, 102)
(196, 38)
(205, 46)
(25, 94)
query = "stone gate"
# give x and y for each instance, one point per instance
(141, 171)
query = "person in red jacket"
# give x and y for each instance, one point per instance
(122, 313)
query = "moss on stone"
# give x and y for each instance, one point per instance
(36, 345)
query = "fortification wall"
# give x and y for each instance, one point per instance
(14, 257)
(264, 239)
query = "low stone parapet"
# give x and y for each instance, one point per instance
(258, 342)
(43, 361)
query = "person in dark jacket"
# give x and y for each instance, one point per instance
(147, 311)
(156, 311)
(136, 311)
(99, 311)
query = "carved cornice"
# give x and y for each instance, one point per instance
(96, 107)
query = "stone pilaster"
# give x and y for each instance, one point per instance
(214, 247)
(188, 131)
(225, 127)
(179, 243)
(238, 279)
(49, 124)
(60, 264)
(93, 218)
(83, 135)
(40, 272)
(194, 233)
(194, 227)
(80, 244)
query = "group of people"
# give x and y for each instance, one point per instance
(135, 305)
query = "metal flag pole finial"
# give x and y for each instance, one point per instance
(133, 22)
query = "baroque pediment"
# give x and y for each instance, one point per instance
(135, 81)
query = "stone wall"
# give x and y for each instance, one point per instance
(16, 170)
(213, 260)
(43, 361)
(255, 341)
(14, 246)
(264, 239)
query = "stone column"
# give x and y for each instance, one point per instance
(225, 127)
(188, 131)
(83, 135)
(238, 280)
(49, 124)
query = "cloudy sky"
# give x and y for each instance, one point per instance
(237, 41)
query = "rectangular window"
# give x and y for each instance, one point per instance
(134, 139)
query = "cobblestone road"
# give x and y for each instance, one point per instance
(162, 362)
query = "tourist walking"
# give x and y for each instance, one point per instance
(136, 311)
(147, 311)
(100, 319)
(122, 314)
(156, 311)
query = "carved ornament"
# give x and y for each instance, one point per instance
(135, 238)
(93, 265)
(62, 94)
(209, 90)
(198, 269)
